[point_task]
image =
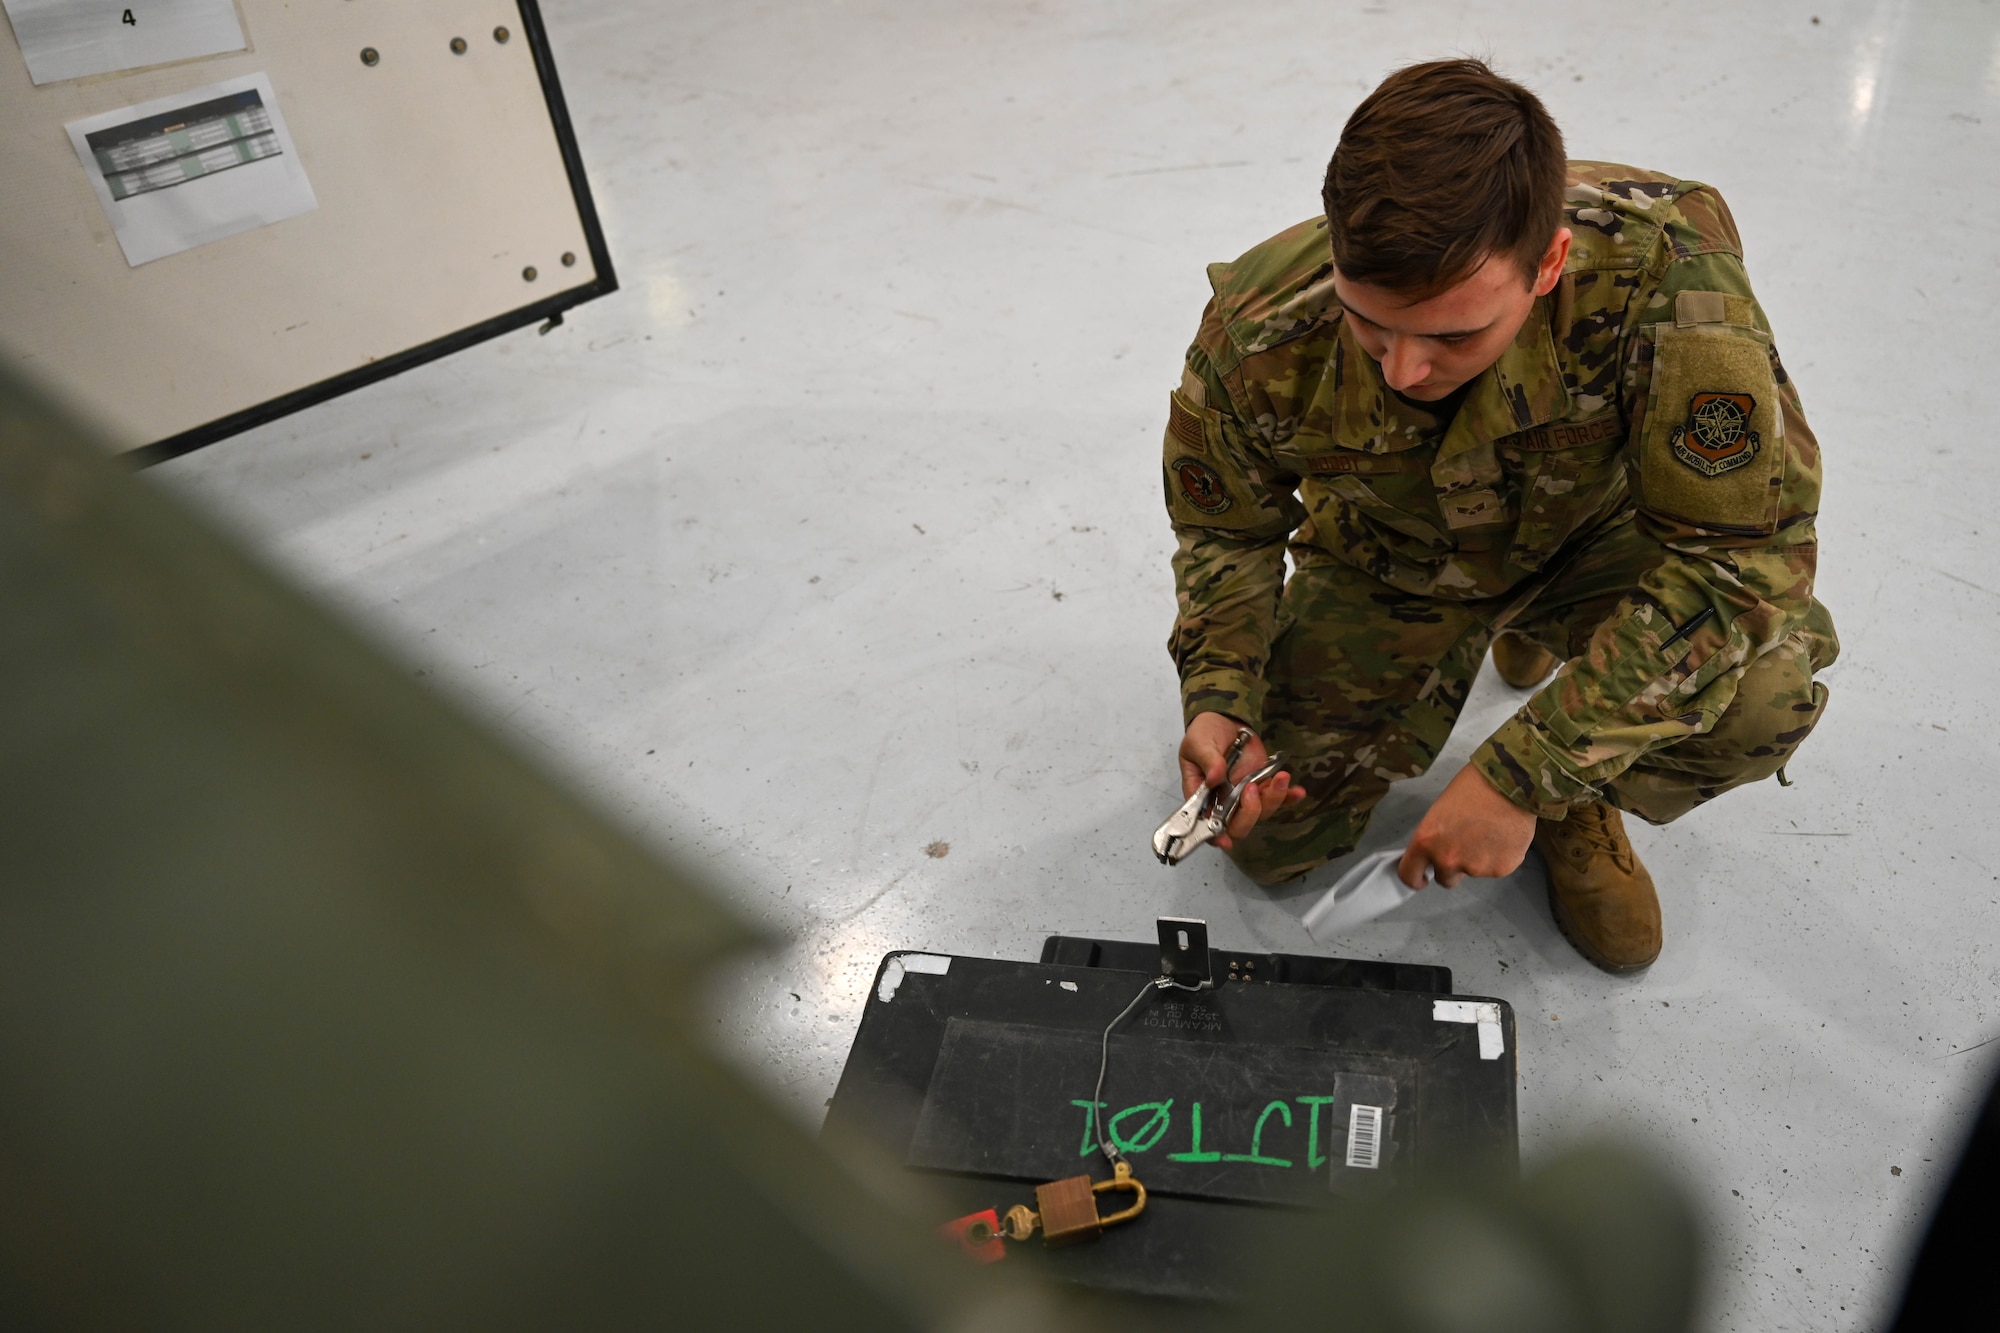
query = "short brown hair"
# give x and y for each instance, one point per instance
(1443, 165)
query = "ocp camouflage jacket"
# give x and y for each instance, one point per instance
(1646, 379)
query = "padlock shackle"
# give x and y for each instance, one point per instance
(1121, 1179)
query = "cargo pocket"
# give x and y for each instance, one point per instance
(1565, 489)
(1392, 489)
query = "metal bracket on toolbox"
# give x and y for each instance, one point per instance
(1184, 957)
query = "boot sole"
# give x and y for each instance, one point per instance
(1615, 969)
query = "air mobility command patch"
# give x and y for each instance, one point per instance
(1201, 486)
(1716, 437)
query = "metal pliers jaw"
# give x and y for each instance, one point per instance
(1207, 813)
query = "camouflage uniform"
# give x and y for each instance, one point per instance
(1633, 485)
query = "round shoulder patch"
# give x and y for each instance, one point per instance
(1716, 437)
(1201, 484)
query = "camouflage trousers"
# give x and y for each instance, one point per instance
(1366, 683)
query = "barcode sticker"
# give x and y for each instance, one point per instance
(1364, 1137)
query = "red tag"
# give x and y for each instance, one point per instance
(962, 1229)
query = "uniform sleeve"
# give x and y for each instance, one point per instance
(1232, 509)
(1726, 476)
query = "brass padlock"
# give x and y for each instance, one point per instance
(1066, 1210)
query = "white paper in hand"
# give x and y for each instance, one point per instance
(1369, 889)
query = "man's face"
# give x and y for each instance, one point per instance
(1430, 347)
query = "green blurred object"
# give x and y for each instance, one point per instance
(321, 1009)
(1597, 1241)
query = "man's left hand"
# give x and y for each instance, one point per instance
(1471, 829)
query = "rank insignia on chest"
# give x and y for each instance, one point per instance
(1716, 437)
(1201, 484)
(1477, 508)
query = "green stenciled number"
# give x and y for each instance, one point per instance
(1089, 1125)
(1313, 1159)
(1149, 1133)
(1256, 1153)
(1194, 1153)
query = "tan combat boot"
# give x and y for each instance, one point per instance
(1602, 898)
(1521, 661)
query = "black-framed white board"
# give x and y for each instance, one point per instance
(216, 212)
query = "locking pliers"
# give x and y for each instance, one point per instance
(1208, 812)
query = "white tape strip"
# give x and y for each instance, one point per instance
(902, 965)
(1492, 1038)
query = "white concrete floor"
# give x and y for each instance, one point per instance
(836, 536)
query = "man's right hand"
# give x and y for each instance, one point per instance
(1204, 751)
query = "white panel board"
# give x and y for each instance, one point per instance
(446, 210)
